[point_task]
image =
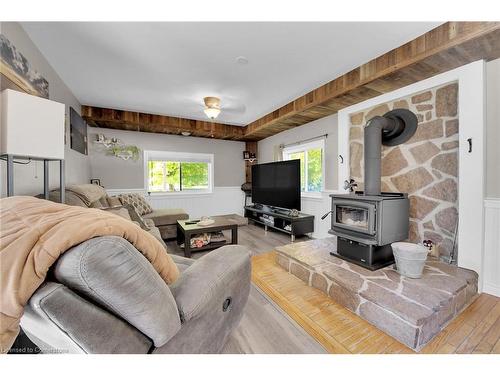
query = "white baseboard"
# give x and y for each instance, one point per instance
(491, 278)
(491, 289)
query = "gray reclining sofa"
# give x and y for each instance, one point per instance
(162, 222)
(103, 296)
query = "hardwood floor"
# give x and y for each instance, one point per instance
(252, 236)
(267, 328)
(264, 328)
(475, 330)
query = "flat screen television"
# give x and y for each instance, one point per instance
(277, 184)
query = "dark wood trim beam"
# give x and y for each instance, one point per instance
(250, 146)
(145, 122)
(446, 47)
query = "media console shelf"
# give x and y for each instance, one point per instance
(283, 222)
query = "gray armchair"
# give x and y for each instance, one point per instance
(103, 296)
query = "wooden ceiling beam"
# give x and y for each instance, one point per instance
(145, 122)
(446, 47)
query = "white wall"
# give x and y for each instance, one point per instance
(115, 173)
(316, 206)
(491, 283)
(492, 201)
(493, 129)
(29, 178)
(325, 125)
(223, 200)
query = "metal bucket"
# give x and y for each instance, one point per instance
(410, 258)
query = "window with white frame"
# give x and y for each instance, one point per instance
(171, 172)
(312, 164)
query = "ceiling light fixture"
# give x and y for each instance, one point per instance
(212, 107)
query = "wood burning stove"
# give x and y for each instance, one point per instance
(366, 223)
(366, 226)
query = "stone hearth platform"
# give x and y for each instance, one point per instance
(412, 311)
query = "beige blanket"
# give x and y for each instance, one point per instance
(35, 232)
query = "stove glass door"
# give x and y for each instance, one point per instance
(355, 216)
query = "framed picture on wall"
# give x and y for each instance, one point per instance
(18, 74)
(78, 132)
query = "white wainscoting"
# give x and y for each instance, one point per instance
(491, 284)
(223, 200)
(230, 200)
(318, 206)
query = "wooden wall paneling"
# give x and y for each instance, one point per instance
(128, 120)
(446, 47)
(252, 148)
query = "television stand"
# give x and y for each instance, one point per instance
(281, 221)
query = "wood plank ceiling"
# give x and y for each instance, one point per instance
(145, 122)
(446, 47)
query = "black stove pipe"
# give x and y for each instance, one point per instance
(393, 128)
(373, 151)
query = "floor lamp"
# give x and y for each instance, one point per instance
(32, 128)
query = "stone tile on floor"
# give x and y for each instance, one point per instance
(411, 310)
(318, 281)
(344, 297)
(346, 278)
(397, 304)
(300, 271)
(428, 330)
(431, 298)
(283, 262)
(446, 283)
(389, 323)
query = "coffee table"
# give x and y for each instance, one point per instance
(185, 231)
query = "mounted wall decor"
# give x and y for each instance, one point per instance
(125, 152)
(114, 147)
(249, 156)
(18, 74)
(106, 142)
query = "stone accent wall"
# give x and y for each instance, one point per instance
(425, 167)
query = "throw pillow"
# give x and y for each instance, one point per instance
(138, 201)
(114, 201)
(121, 211)
(135, 217)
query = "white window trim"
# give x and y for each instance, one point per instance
(320, 143)
(180, 157)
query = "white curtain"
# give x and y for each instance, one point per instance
(278, 152)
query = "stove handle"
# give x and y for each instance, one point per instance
(325, 215)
